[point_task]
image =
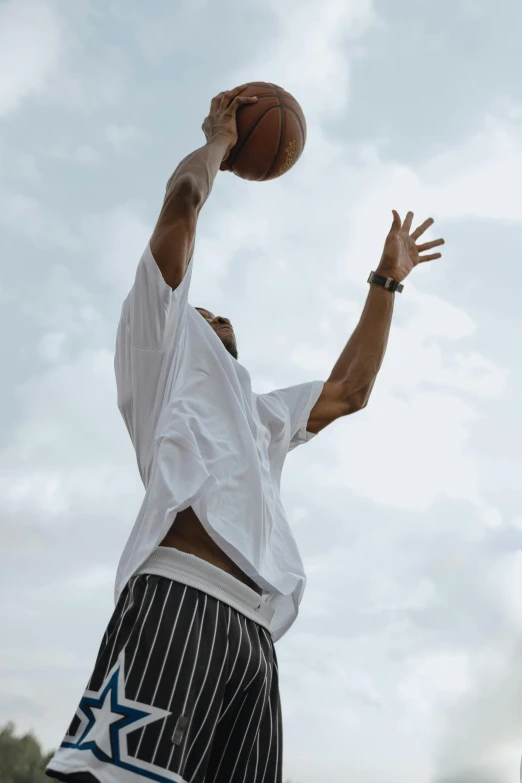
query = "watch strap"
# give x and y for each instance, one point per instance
(386, 282)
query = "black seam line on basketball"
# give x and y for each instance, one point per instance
(282, 98)
(297, 117)
(292, 106)
(281, 136)
(254, 126)
(263, 85)
(300, 126)
(288, 101)
(301, 130)
(276, 106)
(277, 91)
(271, 95)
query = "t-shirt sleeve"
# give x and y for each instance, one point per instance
(297, 402)
(152, 311)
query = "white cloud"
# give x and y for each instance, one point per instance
(27, 216)
(420, 454)
(31, 42)
(83, 154)
(425, 402)
(480, 177)
(28, 168)
(118, 237)
(434, 677)
(124, 139)
(409, 624)
(51, 346)
(60, 408)
(479, 733)
(320, 81)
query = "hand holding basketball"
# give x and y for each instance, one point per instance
(266, 126)
(221, 120)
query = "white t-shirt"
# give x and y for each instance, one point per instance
(204, 439)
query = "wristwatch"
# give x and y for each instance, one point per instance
(386, 282)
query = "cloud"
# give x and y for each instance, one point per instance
(26, 215)
(83, 154)
(478, 734)
(320, 81)
(51, 346)
(29, 52)
(117, 238)
(70, 492)
(456, 178)
(124, 139)
(427, 398)
(407, 636)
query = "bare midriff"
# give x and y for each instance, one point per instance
(188, 535)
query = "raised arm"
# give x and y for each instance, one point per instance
(351, 381)
(173, 238)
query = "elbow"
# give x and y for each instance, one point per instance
(364, 396)
(354, 403)
(356, 399)
(184, 189)
(358, 404)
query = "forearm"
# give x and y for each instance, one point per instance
(200, 168)
(363, 354)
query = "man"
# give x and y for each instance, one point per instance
(185, 686)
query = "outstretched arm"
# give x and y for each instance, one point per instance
(351, 381)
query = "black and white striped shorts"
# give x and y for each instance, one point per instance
(184, 690)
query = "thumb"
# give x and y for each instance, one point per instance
(396, 225)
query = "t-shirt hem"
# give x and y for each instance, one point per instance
(194, 572)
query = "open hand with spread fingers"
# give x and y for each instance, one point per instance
(401, 251)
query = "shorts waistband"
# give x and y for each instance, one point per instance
(193, 571)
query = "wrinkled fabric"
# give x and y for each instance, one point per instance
(204, 439)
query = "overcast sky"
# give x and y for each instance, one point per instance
(404, 664)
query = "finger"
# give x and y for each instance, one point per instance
(396, 225)
(216, 102)
(422, 228)
(430, 258)
(429, 245)
(231, 94)
(240, 101)
(407, 222)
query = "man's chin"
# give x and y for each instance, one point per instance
(230, 345)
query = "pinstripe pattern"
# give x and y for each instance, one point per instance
(190, 654)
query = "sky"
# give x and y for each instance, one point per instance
(404, 662)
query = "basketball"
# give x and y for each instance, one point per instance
(271, 134)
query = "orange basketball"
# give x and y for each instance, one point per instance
(271, 134)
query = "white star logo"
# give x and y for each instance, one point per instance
(99, 731)
(107, 716)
